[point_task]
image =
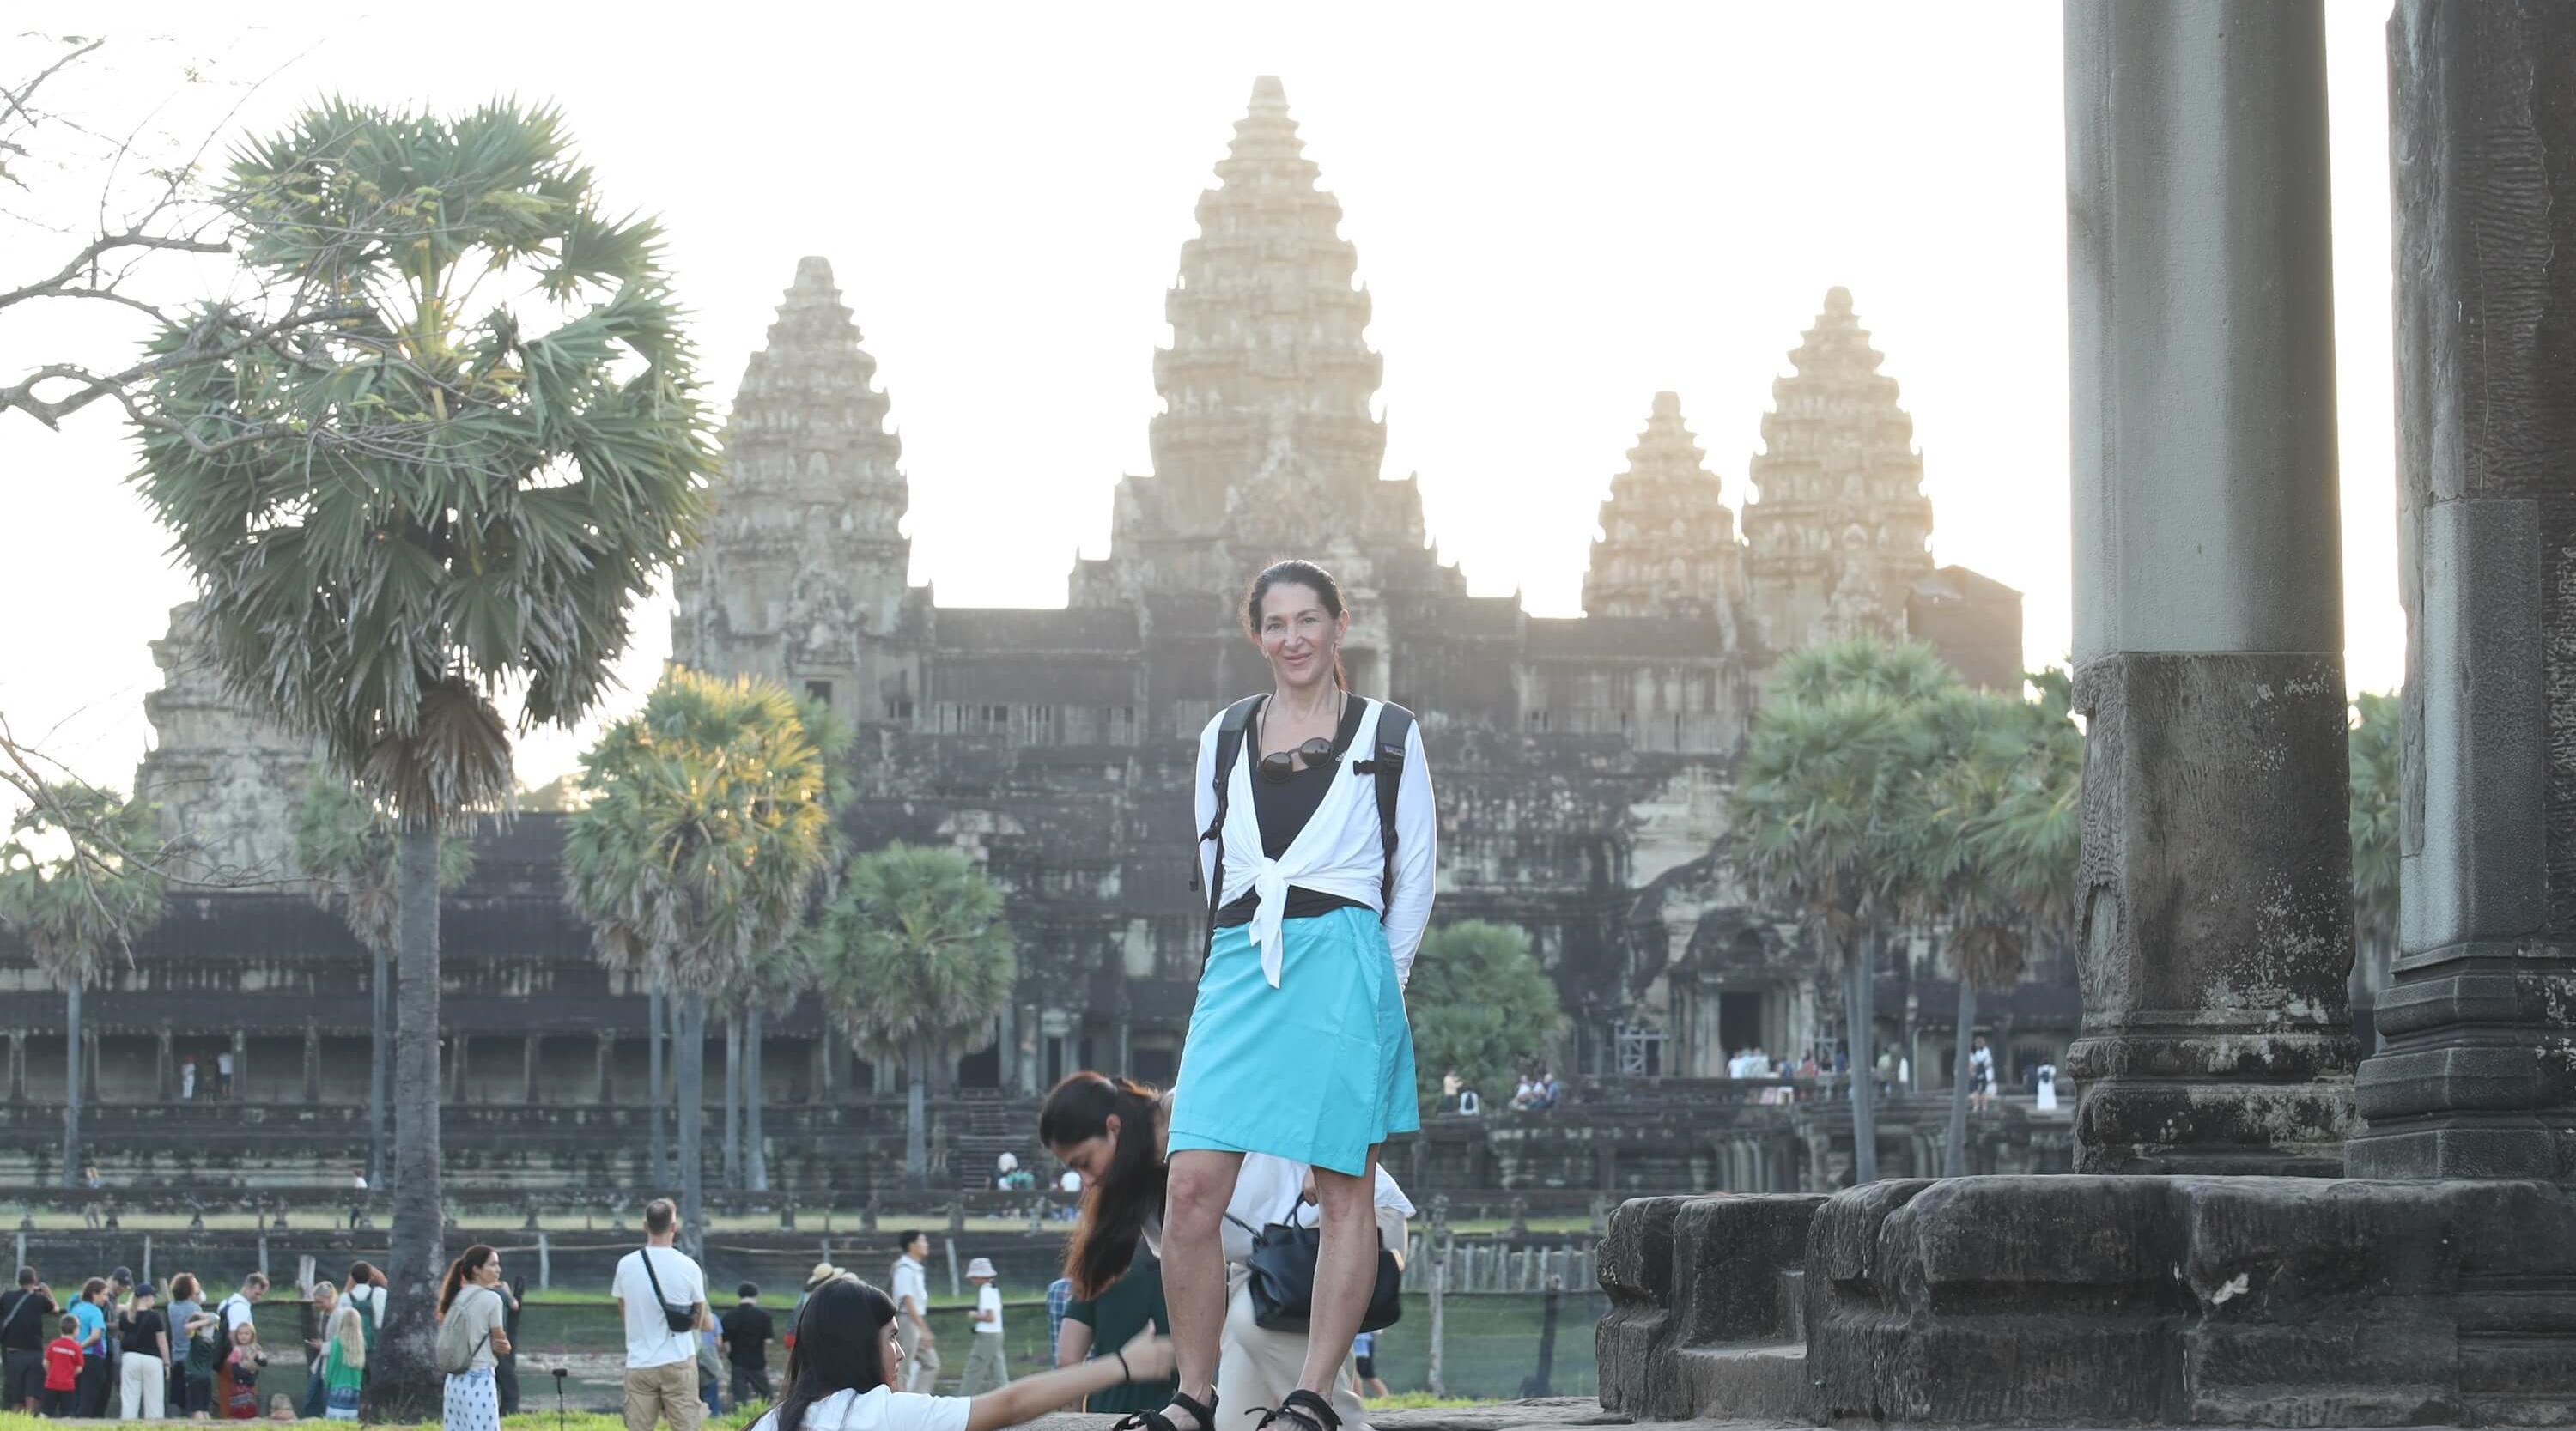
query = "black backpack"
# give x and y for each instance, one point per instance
(1394, 727)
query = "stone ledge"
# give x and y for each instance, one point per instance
(2194, 1301)
(1701, 1318)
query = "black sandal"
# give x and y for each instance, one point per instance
(1157, 1421)
(1307, 1410)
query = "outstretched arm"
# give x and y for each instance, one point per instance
(1146, 1358)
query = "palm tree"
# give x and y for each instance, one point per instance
(1819, 819)
(524, 476)
(770, 985)
(1990, 827)
(80, 906)
(2376, 730)
(704, 832)
(912, 956)
(344, 844)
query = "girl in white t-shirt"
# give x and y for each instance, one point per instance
(845, 1364)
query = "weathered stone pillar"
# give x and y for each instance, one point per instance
(312, 1061)
(2215, 887)
(528, 1069)
(457, 1047)
(17, 1065)
(2475, 1080)
(605, 1055)
(165, 1069)
(241, 1066)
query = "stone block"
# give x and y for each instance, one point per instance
(2195, 1301)
(1696, 1291)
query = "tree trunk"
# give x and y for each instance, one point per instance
(403, 1385)
(733, 1101)
(756, 1159)
(379, 1053)
(1863, 1039)
(660, 1177)
(1954, 1158)
(692, 1036)
(72, 1084)
(916, 1115)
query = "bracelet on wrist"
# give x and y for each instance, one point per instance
(1126, 1373)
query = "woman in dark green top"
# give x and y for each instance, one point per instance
(1122, 1309)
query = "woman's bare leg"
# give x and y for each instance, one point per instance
(1202, 1183)
(1345, 1271)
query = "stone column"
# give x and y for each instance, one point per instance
(2475, 1080)
(165, 1068)
(605, 1055)
(2215, 884)
(528, 1070)
(17, 1065)
(241, 1067)
(457, 1046)
(312, 1061)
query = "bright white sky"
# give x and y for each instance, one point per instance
(1558, 212)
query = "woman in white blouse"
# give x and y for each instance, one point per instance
(1299, 1048)
(1116, 1133)
(844, 1365)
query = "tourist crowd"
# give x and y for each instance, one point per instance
(139, 1351)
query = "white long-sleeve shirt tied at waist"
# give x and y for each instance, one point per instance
(1340, 852)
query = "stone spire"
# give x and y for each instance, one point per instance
(1266, 444)
(1840, 529)
(226, 780)
(1268, 379)
(805, 555)
(1667, 545)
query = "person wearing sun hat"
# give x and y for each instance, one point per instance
(985, 1369)
(823, 1272)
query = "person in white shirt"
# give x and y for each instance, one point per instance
(655, 1285)
(1091, 1122)
(985, 1368)
(912, 1312)
(1981, 1075)
(1317, 849)
(845, 1369)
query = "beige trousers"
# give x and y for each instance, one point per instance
(1258, 1367)
(664, 1393)
(920, 1363)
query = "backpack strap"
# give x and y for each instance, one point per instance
(1229, 749)
(1394, 731)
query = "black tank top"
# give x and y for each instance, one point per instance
(1283, 808)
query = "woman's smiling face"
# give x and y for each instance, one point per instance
(1299, 636)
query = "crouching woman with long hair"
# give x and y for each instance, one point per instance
(1117, 1133)
(845, 1365)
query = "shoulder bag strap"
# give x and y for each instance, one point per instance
(1394, 729)
(1229, 749)
(646, 1253)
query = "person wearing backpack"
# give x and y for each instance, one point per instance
(365, 1294)
(1316, 854)
(662, 1296)
(472, 1336)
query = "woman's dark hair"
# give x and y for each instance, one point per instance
(94, 1287)
(183, 1288)
(1117, 1204)
(460, 1272)
(837, 1346)
(1296, 571)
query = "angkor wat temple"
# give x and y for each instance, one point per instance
(1582, 763)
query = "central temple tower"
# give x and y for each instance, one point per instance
(1266, 445)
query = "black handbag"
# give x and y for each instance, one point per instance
(1283, 1277)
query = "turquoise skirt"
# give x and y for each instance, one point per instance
(1318, 1070)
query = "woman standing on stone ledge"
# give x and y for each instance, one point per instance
(1316, 853)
